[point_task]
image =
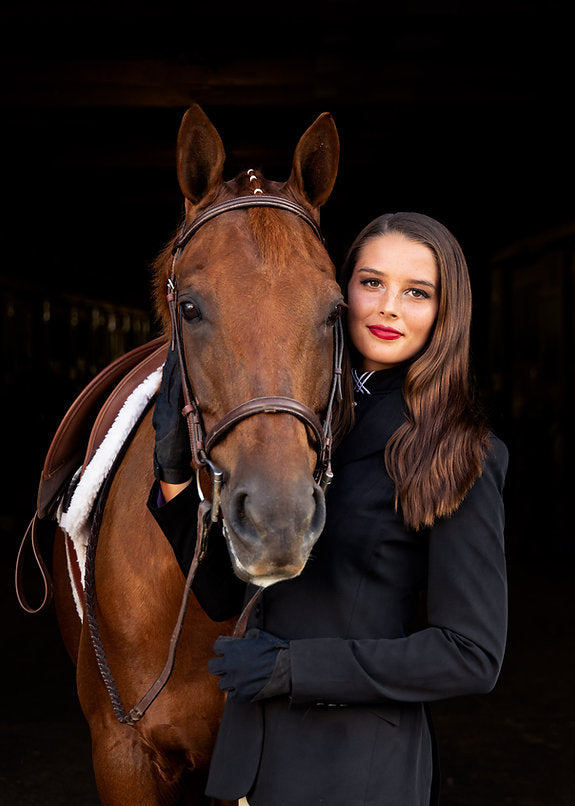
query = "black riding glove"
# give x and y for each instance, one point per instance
(172, 453)
(253, 667)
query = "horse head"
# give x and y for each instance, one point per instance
(257, 302)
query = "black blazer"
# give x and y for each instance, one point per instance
(355, 728)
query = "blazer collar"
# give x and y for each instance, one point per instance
(378, 415)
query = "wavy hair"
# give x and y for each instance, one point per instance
(437, 453)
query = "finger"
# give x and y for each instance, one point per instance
(215, 666)
(222, 642)
(226, 686)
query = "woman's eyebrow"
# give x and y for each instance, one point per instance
(367, 270)
(372, 271)
(428, 283)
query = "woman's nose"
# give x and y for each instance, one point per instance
(388, 306)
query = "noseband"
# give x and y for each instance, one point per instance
(202, 443)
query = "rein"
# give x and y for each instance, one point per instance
(201, 445)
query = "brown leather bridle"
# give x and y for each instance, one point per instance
(201, 445)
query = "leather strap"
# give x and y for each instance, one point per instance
(138, 711)
(32, 536)
(242, 622)
(242, 203)
(265, 405)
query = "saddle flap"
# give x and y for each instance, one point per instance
(68, 447)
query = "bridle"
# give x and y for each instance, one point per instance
(201, 443)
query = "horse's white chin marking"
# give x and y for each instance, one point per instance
(242, 572)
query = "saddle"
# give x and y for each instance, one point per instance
(75, 442)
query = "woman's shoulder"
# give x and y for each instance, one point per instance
(496, 458)
(497, 449)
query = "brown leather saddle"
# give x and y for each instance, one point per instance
(75, 442)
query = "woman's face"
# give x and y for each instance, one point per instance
(393, 298)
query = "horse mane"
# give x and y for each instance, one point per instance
(161, 268)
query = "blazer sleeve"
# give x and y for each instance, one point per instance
(461, 650)
(215, 586)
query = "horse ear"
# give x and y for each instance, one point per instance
(315, 161)
(201, 155)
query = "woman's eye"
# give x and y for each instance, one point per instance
(334, 315)
(371, 282)
(418, 293)
(190, 311)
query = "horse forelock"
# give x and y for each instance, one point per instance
(276, 243)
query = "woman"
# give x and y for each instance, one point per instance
(328, 691)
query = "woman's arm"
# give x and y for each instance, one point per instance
(217, 589)
(170, 491)
(461, 650)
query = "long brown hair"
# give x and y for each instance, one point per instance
(435, 456)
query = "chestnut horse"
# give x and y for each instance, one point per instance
(257, 300)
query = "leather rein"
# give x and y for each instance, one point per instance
(201, 444)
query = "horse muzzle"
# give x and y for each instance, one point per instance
(270, 535)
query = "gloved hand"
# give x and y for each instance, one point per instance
(172, 453)
(252, 667)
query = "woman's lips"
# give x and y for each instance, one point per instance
(387, 333)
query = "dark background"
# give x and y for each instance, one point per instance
(463, 111)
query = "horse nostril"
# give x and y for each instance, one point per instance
(239, 518)
(257, 518)
(271, 534)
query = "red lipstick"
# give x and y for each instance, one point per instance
(387, 333)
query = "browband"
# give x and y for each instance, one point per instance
(240, 203)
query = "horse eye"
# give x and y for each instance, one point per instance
(334, 315)
(190, 311)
